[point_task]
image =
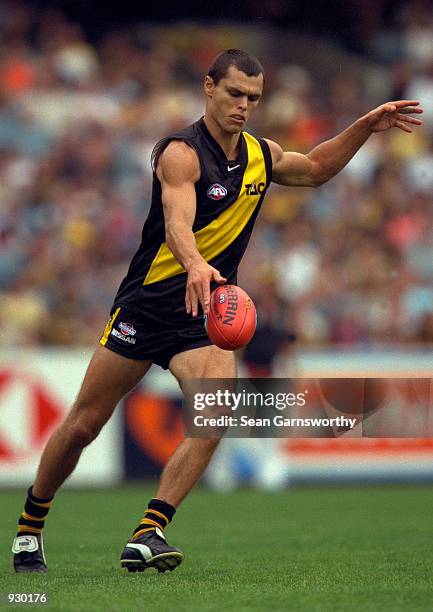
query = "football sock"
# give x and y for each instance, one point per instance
(32, 520)
(158, 514)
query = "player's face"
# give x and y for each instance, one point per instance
(231, 102)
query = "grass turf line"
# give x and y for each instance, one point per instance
(312, 549)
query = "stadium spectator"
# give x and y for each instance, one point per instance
(350, 262)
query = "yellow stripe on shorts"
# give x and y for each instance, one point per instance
(108, 328)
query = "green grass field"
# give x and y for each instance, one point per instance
(312, 549)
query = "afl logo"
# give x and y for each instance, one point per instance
(127, 329)
(216, 192)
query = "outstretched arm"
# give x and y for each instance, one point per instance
(329, 157)
(178, 170)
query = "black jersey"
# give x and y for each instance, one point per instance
(228, 197)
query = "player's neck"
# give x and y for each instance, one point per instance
(228, 142)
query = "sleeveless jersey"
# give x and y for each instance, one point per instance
(228, 198)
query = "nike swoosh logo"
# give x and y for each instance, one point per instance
(230, 168)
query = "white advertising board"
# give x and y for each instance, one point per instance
(37, 389)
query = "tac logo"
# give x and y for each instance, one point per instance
(216, 192)
(127, 329)
(254, 190)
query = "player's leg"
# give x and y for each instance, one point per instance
(147, 546)
(191, 458)
(108, 378)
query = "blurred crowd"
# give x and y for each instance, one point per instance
(349, 263)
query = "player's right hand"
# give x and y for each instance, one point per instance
(200, 275)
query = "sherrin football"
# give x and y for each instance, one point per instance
(232, 317)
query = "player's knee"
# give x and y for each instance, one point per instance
(82, 432)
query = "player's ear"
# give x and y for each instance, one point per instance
(209, 86)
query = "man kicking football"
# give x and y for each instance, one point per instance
(209, 182)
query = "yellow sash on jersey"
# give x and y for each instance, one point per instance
(214, 238)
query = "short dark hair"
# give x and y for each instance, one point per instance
(242, 60)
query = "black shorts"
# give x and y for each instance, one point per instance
(132, 334)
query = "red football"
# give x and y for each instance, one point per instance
(232, 318)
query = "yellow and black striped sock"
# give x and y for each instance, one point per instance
(158, 514)
(32, 520)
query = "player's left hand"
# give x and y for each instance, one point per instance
(394, 114)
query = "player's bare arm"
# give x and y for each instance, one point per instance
(178, 170)
(329, 157)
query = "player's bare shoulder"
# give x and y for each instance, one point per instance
(276, 151)
(178, 164)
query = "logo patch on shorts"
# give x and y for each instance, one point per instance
(127, 329)
(121, 336)
(216, 192)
